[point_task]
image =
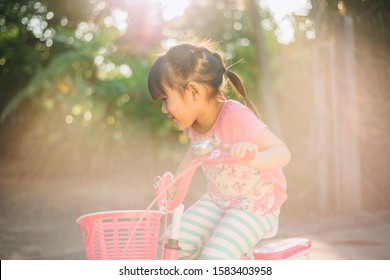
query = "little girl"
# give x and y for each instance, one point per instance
(243, 200)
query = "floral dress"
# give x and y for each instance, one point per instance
(236, 185)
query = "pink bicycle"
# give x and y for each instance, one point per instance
(134, 234)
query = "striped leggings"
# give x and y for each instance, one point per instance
(207, 232)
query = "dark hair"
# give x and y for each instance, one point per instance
(186, 62)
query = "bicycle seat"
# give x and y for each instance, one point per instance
(289, 248)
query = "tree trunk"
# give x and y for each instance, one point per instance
(269, 109)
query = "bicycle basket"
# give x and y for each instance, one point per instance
(115, 235)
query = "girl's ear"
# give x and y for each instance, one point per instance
(194, 90)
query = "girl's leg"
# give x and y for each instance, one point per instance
(197, 225)
(237, 233)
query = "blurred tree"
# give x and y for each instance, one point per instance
(102, 60)
(24, 32)
(262, 84)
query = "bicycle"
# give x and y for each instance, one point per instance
(134, 234)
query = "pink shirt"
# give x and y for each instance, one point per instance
(237, 185)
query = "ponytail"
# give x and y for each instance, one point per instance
(239, 90)
(236, 83)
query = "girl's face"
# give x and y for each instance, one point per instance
(179, 108)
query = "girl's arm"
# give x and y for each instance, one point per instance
(271, 152)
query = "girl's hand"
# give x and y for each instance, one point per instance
(240, 149)
(161, 185)
(271, 152)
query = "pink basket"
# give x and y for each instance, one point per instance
(115, 235)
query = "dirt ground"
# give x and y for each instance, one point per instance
(38, 215)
